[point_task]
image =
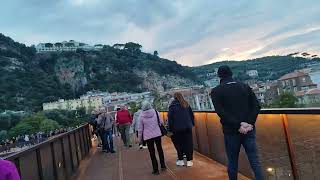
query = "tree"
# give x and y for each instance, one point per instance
(287, 100)
(155, 53)
(132, 47)
(3, 135)
(32, 124)
(48, 125)
(134, 107)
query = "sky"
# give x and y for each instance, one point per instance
(191, 32)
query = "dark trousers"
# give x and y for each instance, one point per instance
(233, 144)
(141, 141)
(150, 144)
(183, 143)
(125, 135)
(107, 140)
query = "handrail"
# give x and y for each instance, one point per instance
(58, 157)
(279, 131)
(276, 111)
(37, 146)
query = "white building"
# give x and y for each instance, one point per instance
(252, 73)
(66, 46)
(97, 100)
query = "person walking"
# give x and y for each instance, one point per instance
(124, 120)
(105, 123)
(238, 108)
(135, 124)
(149, 131)
(181, 122)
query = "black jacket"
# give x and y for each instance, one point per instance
(235, 102)
(180, 118)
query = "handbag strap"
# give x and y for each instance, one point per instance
(157, 117)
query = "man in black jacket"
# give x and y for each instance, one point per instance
(238, 108)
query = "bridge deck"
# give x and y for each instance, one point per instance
(129, 164)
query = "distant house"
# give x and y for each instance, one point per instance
(65, 46)
(310, 98)
(118, 46)
(271, 92)
(294, 82)
(252, 73)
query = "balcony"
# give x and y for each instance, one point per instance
(288, 142)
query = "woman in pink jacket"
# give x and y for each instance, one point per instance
(149, 131)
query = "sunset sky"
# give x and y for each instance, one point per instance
(192, 32)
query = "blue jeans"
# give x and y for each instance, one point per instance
(233, 144)
(107, 140)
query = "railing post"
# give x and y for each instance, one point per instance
(291, 150)
(70, 151)
(77, 149)
(209, 142)
(64, 159)
(55, 172)
(39, 163)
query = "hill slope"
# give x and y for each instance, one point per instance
(269, 68)
(28, 79)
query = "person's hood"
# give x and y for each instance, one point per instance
(175, 102)
(148, 113)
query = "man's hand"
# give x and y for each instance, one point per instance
(245, 128)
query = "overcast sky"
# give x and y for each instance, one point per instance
(192, 32)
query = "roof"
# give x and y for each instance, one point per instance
(313, 91)
(293, 75)
(308, 84)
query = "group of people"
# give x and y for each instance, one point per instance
(235, 104)
(26, 140)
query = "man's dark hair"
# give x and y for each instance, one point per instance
(224, 72)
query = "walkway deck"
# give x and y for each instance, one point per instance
(130, 164)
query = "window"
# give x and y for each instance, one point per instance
(303, 79)
(293, 82)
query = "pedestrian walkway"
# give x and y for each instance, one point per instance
(130, 164)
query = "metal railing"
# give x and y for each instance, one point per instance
(56, 159)
(288, 142)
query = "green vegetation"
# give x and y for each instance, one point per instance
(33, 124)
(286, 100)
(13, 125)
(28, 79)
(269, 68)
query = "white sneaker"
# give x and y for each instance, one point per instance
(140, 146)
(180, 163)
(189, 163)
(145, 147)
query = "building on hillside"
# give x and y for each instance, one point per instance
(88, 103)
(66, 46)
(252, 73)
(198, 97)
(96, 100)
(271, 93)
(115, 100)
(294, 82)
(310, 98)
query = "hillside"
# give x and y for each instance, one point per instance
(28, 79)
(269, 68)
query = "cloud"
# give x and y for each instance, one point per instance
(195, 32)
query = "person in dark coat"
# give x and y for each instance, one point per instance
(181, 122)
(238, 108)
